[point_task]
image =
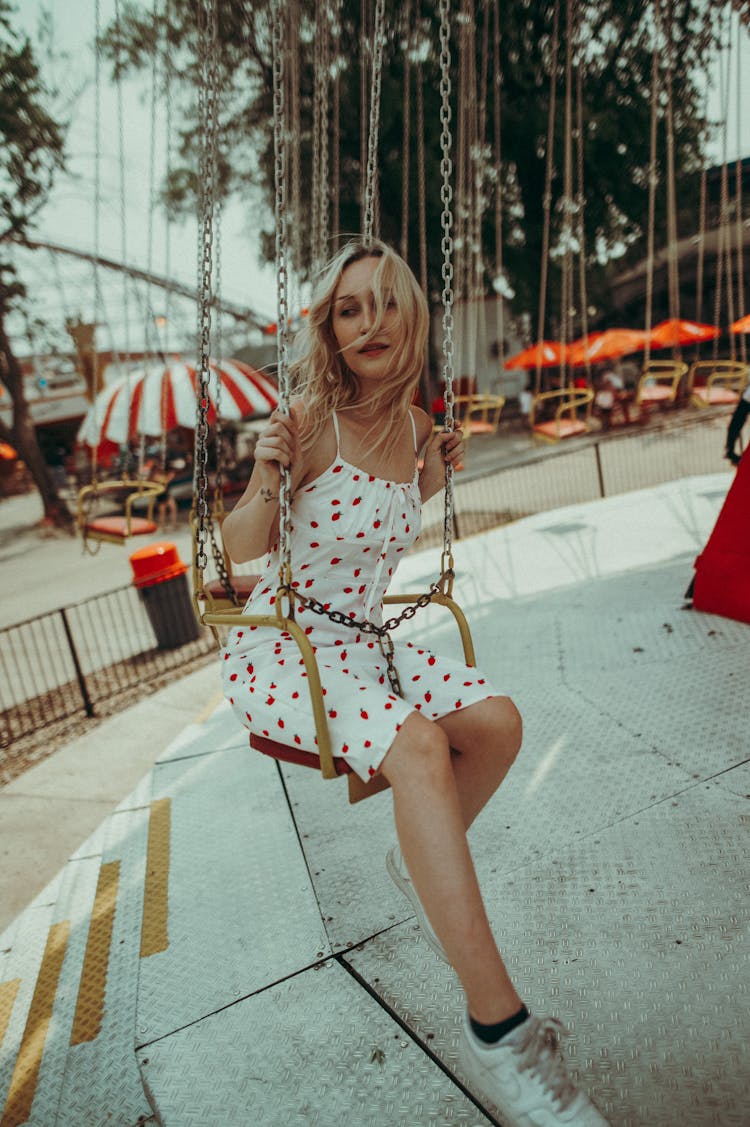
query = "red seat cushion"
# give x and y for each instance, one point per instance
(567, 428)
(118, 526)
(295, 755)
(719, 395)
(242, 584)
(657, 393)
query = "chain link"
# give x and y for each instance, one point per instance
(319, 240)
(446, 221)
(371, 182)
(382, 633)
(280, 147)
(207, 115)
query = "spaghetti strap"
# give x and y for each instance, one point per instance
(413, 429)
(338, 437)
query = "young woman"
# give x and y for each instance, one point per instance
(352, 443)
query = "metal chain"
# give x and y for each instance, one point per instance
(739, 224)
(421, 181)
(123, 207)
(168, 299)
(653, 179)
(547, 198)
(371, 183)
(498, 161)
(406, 137)
(382, 633)
(207, 81)
(97, 228)
(280, 146)
(580, 138)
(320, 135)
(446, 222)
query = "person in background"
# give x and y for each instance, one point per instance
(736, 423)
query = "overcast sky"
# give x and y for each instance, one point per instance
(69, 217)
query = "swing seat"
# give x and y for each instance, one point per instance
(557, 429)
(725, 381)
(243, 585)
(659, 383)
(567, 423)
(358, 790)
(295, 755)
(479, 414)
(115, 530)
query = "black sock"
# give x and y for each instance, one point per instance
(491, 1034)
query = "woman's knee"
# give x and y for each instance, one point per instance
(510, 723)
(420, 754)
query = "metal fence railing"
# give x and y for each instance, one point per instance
(488, 495)
(73, 660)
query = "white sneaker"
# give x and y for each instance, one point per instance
(525, 1077)
(399, 874)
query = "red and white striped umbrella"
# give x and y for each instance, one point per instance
(158, 397)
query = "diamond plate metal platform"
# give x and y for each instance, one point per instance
(242, 913)
(313, 1051)
(293, 987)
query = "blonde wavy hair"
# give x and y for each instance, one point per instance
(321, 377)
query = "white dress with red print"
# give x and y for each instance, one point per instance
(349, 530)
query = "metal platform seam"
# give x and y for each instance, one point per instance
(318, 964)
(650, 745)
(421, 1045)
(210, 750)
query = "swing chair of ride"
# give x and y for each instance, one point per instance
(479, 414)
(660, 383)
(211, 602)
(115, 528)
(572, 413)
(716, 383)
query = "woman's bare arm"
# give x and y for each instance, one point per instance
(251, 527)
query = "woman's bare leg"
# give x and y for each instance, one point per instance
(486, 738)
(431, 831)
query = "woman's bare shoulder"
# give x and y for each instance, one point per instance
(423, 423)
(318, 444)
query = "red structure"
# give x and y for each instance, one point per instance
(722, 570)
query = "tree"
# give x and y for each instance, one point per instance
(31, 153)
(613, 47)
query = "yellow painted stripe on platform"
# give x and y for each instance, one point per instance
(8, 992)
(93, 985)
(154, 936)
(210, 708)
(26, 1072)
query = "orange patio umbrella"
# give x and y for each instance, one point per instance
(608, 345)
(7, 453)
(669, 333)
(741, 326)
(544, 354)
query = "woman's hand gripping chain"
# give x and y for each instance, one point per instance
(278, 446)
(444, 448)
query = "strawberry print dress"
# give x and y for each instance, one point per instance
(349, 531)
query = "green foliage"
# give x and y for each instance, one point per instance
(613, 48)
(31, 141)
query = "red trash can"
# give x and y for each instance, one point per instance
(160, 577)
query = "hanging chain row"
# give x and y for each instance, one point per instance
(280, 148)
(371, 183)
(207, 111)
(446, 222)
